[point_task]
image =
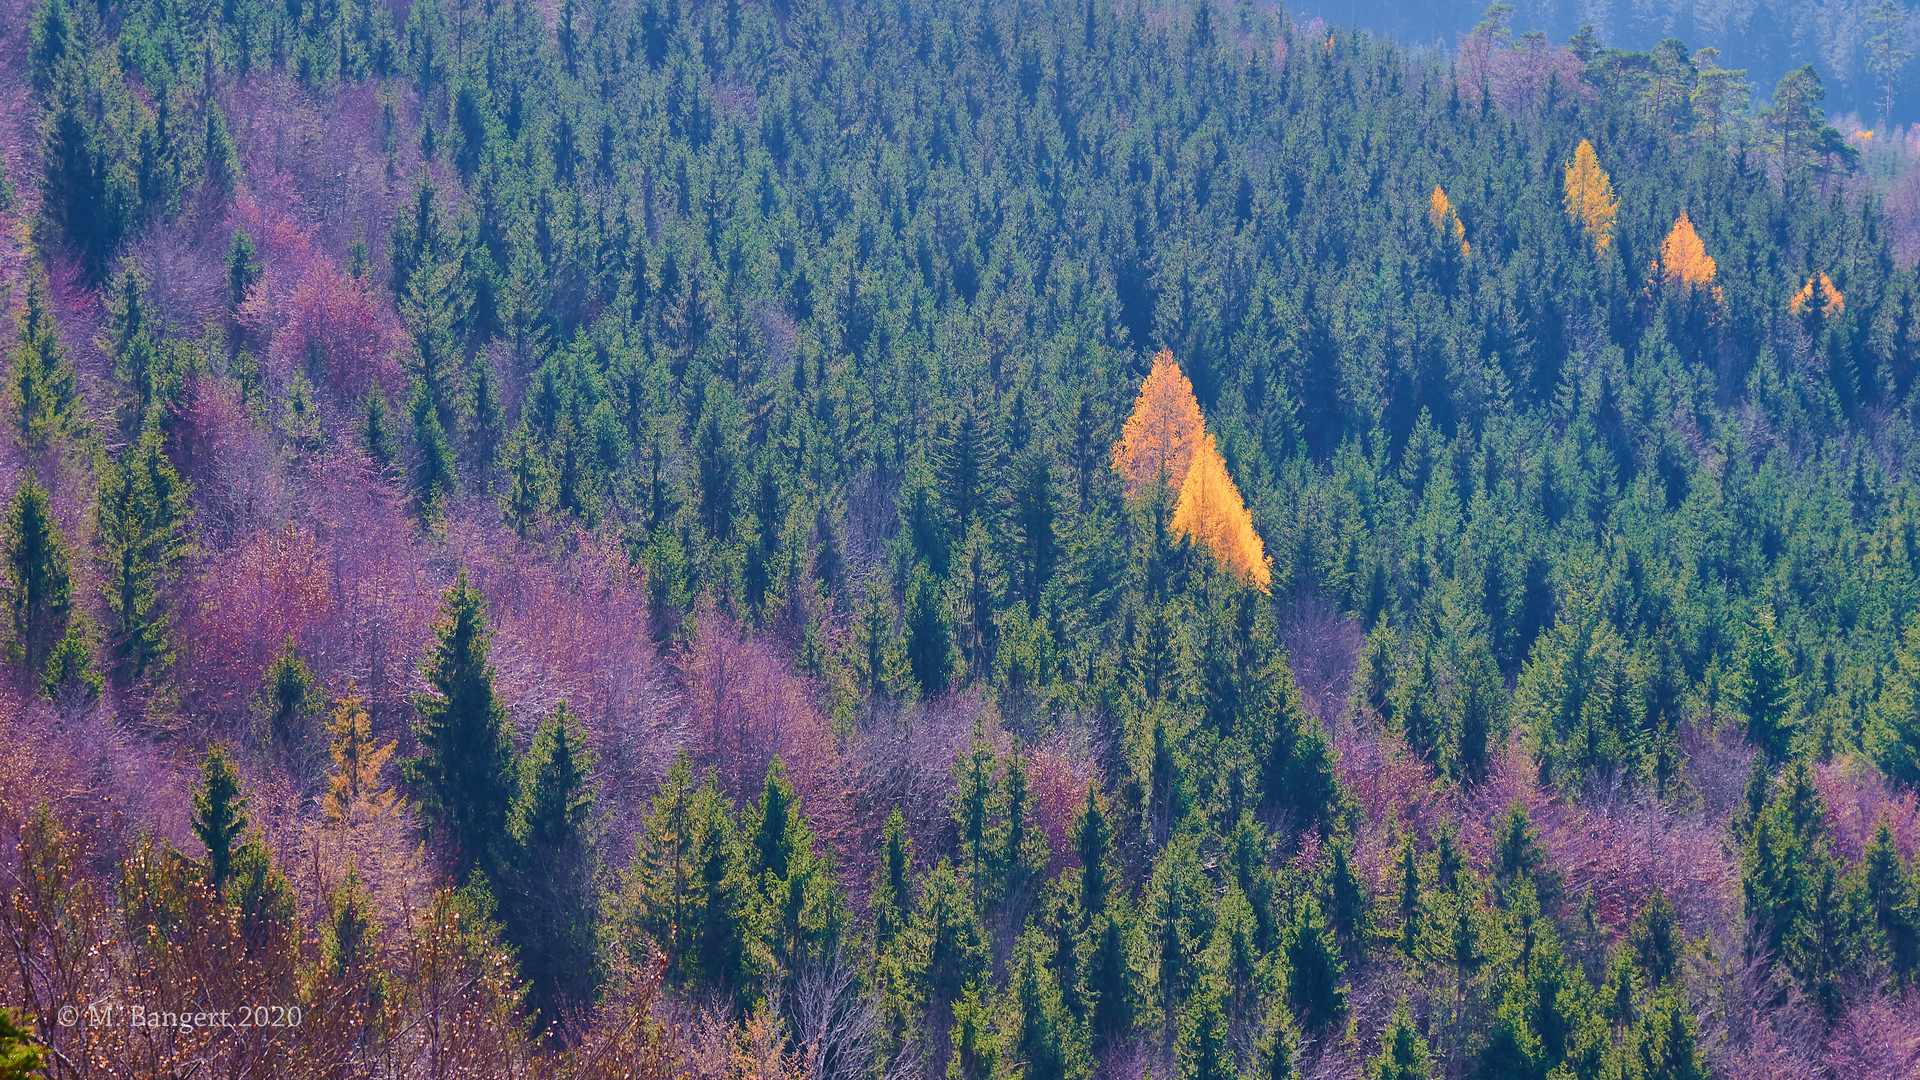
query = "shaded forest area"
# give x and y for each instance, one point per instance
(903, 540)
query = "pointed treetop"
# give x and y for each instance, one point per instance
(1160, 438)
(1818, 294)
(1683, 258)
(1211, 512)
(1589, 196)
(1440, 211)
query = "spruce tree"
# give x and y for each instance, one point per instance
(464, 775)
(38, 578)
(1891, 903)
(141, 509)
(930, 650)
(1314, 967)
(290, 697)
(1403, 1053)
(550, 910)
(40, 386)
(892, 899)
(1762, 688)
(219, 814)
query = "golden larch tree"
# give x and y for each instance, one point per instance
(1589, 196)
(1211, 512)
(1818, 293)
(1160, 438)
(1440, 211)
(1683, 258)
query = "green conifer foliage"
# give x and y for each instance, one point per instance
(549, 905)
(464, 776)
(140, 510)
(219, 814)
(38, 578)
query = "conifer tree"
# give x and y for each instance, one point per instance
(1211, 513)
(1202, 1051)
(1656, 941)
(1762, 688)
(1667, 1047)
(551, 910)
(1891, 902)
(1164, 432)
(1314, 967)
(892, 899)
(357, 758)
(1894, 737)
(1684, 259)
(140, 510)
(219, 814)
(376, 430)
(1046, 1040)
(1589, 197)
(290, 696)
(38, 577)
(930, 650)
(1403, 1053)
(1441, 213)
(40, 384)
(976, 1043)
(464, 774)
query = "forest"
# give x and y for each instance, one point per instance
(895, 540)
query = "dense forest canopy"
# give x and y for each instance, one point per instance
(1038, 540)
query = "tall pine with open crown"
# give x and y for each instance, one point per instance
(464, 775)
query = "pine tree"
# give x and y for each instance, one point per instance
(550, 908)
(38, 577)
(1164, 432)
(1589, 197)
(1656, 940)
(1891, 901)
(1202, 1051)
(219, 814)
(464, 775)
(1210, 512)
(1667, 1047)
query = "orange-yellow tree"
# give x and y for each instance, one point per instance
(1160, 438)
(1211, 512)
(1683, 258)
(1818, 294)
(1589, 196)
(1440, 211)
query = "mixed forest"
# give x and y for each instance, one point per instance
(896, 540)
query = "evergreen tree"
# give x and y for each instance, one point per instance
(1403, 1053)
(464, 775)
(219, 814)
(1314, 968)
(40, 386)
(1762, 688)
(140, 510)
(551, 913)
(930, 651)
(38, 577)
(892, 898)
(290, 697)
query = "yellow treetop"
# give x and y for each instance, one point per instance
(1211, 512)
(1818, 291)
(1440, 211)
(1160, 437)
(1589, 196)
(1683, 258)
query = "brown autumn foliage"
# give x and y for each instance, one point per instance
(1211, 512)
(1160, 438)
(1589, 196)
(1440, 211)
